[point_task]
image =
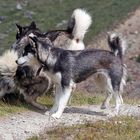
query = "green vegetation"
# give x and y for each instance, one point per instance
(7, 109)
(48, 13)
(76, 99)
(125, 128)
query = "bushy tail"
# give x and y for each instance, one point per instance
(8, 65)
(117, 44)
(79, 23)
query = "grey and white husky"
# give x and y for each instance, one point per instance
(66, 68)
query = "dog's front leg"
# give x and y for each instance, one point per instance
(119, 101)
(64, 97)
(57, 98)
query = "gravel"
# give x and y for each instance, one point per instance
(24, 125)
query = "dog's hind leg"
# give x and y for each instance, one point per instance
(118, 99)
(109, 90)
(33, 102)
(118, 95)
(106, 102)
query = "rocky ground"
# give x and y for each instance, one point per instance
(23, 125)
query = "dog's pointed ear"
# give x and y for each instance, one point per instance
(33, 40)
(33, 25)
(19, 27)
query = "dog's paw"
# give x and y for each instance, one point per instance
(56, 115)
(104, 106)
(46, 113)
(45, 108)
(116, 111)
(53, 110)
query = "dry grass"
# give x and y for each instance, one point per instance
(124, 128)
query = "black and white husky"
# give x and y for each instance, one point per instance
(66, 68)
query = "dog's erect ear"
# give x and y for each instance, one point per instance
(33, 40)
(19, 28)
(32, 25)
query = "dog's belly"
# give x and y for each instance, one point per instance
(82, 73)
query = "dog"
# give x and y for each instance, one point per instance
(31, 86)
(70, 39)
(66, 68)
(15, 79)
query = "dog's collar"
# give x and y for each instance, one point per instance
(39, 70)
(43, 64)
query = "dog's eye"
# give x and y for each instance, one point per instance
(24, 53)
(28, 49)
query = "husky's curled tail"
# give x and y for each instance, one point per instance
(118, 46)
(7, 71)
(78, 25)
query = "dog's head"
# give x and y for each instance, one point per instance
(36, 49)
(22, 39)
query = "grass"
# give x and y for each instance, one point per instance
(7, 109)
(48, 14)
(77, 99)
(124, 128)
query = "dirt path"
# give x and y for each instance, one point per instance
(23, 125)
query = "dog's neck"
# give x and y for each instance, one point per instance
(46, 58)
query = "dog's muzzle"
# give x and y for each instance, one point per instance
(21, 61)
